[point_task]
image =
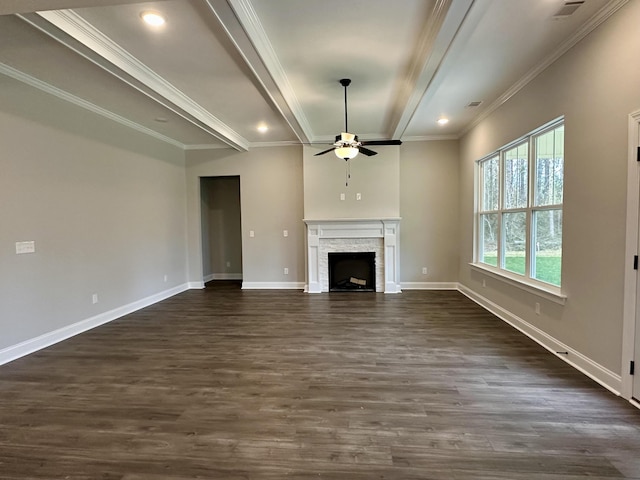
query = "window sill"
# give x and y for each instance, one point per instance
(549, 293)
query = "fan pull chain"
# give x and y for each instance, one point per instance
(347, 173)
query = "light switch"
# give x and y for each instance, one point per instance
(358, 196)
(25, 247)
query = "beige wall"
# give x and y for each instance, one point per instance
(104, 205)
(376, 178)
(596, 86)
(271, 200)
(429, 207)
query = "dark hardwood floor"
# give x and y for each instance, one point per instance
(231, 384)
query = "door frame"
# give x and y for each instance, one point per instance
(631, 295)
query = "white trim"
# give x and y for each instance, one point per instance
(630, 306)
(38, 343)
(79, 29)
(68, 97)
(273, 286)
(196, 285)
(600, 17)
(605, 377)
(429, 285)
(548, 293)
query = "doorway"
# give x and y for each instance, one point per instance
(221, 229)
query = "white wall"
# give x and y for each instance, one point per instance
(104, 205)
(595, 85)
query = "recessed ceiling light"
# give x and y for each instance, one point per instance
(262, 128)
(443, 121)
(161, 119)
(152, 18)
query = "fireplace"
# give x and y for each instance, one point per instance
(352, 271)
(353, 235)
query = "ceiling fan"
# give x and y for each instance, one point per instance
(347, 144)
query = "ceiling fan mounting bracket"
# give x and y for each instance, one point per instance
(345, 82)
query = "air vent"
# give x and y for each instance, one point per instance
(474, 104)
(568, 8)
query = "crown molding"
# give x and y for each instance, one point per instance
(594, 22)
(79, 29)
(260, 43)
(68, 97)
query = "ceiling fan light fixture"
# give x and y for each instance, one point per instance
(346, 152)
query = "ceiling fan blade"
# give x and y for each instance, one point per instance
(325, 151)
(382, 142)
(367, 152)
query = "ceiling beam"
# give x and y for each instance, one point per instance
(245, 30)
(441, 28)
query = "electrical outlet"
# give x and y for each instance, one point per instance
(228, 264)
(484, 283)
(252, 233)
(342, 196)
(285, 233)
(286, 271)
(358, 196)
(166, 277)
(94, 298)
(537, 308)
(424, 270)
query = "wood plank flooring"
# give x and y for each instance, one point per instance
(230, 384)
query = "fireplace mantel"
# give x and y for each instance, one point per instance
(353, 233)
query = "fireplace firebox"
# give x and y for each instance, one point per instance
(352, 271)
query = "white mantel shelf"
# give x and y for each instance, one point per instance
(358, 230)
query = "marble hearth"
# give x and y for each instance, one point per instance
(380, 236)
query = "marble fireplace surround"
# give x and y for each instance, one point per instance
(379, 235)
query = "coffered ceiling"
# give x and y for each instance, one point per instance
(217, 69)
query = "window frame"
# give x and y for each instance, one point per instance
(525, 280)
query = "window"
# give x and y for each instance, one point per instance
(519, 218)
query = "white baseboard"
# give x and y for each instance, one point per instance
(195, 285)
(605, 377)
(429, 285)
(38, 343)
(273, 285)
(223, 276)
